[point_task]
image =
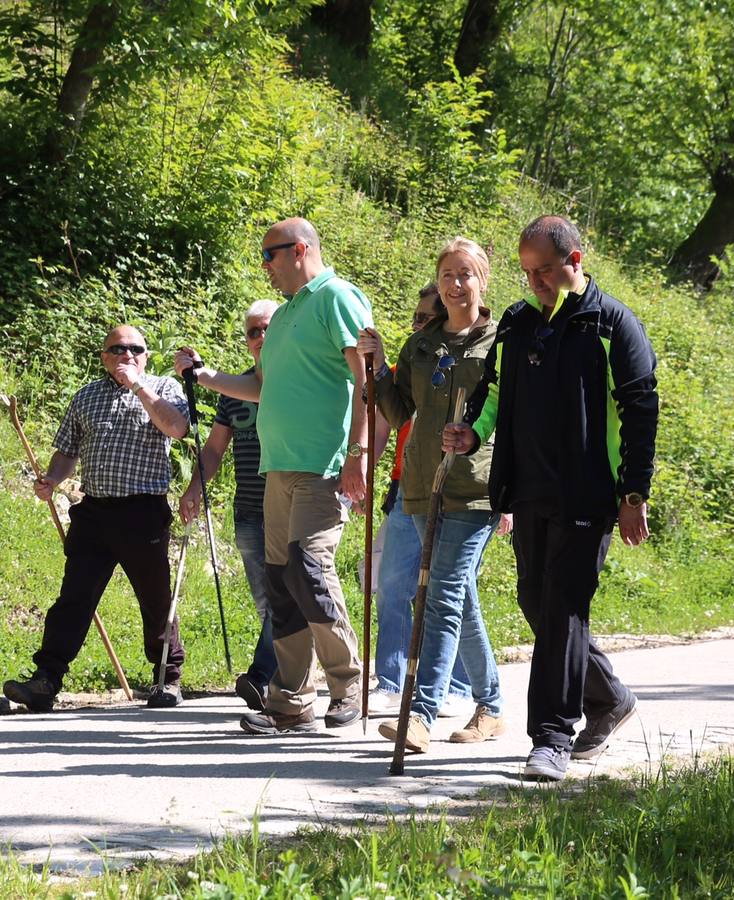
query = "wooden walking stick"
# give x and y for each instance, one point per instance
(12, 405)
(416, 637)
(369, 509)
(188, 379)
(172, 610)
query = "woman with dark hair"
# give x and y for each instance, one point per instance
(434, 363)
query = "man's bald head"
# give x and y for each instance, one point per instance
(292, 255)
(131, 340)
(123, 334)
(295, 229)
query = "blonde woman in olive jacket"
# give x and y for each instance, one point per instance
(447, 354)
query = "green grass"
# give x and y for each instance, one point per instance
(666, 835)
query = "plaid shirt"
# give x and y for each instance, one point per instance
(120, 450)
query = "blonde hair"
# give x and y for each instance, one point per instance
(472, 250)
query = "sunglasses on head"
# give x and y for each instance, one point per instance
(122, 349)
(536, 350)
(269, 252)
(438, 379)
(256, 331)
(420, 318)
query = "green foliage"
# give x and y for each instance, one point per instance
(625, 108)
(455, 169)
(664, 835)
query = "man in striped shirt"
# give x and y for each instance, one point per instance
(236, 420)
(119, 429)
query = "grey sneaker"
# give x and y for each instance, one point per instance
(169, 697)
(38, 693)
(594, 737)
(547, 762)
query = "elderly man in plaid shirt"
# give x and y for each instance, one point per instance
(120, 429)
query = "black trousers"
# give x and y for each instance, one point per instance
(134, 532)
(558, 565)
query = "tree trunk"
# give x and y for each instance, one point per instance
(350, 21)
(712, 235)
(480, 29)
(94, 36)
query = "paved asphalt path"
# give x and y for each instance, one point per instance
(84, 786)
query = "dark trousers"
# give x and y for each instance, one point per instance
(134, 532)
(558, 565)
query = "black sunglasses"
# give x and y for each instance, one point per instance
(269, 252)
(254, 333)
(536, 350)
(420, 318)
(438, 379)
(122, 349)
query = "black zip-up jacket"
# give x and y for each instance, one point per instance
(603, 382)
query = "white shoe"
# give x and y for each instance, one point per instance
(380, 701)
(456, 707)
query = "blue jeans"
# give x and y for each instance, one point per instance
(396, 587)
(453, 619)
(249, 535)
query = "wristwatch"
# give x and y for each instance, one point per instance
(356, 450)
(634, 500)
(136, 387)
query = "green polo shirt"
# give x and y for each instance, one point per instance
(306, 399)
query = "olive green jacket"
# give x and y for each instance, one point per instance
(410, 391)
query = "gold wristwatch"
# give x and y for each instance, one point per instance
(634, 500)
(356, 450)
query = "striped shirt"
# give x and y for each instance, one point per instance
(120, 450)
(241, 417)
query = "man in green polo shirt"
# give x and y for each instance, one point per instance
(313, 441)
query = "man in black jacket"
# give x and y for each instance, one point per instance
(570, 392)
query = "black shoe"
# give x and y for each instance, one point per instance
(169, 697)
(252, 693)
(341, 713)
(594, 738)
(276, 723)
(38, 693)
(4, 705)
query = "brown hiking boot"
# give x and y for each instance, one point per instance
(277, 723)
(481, 727)
(37, 693)
(418, 738)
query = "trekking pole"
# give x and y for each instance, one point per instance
(368, 525)
(188, 377)
(416, 637)
(172, 610)
(12, 405)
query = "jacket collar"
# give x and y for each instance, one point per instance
(573, 304)
(432, 336)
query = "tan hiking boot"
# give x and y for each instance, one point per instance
(418, 738)
(481, 727)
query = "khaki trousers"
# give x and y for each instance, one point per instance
(303, 525)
